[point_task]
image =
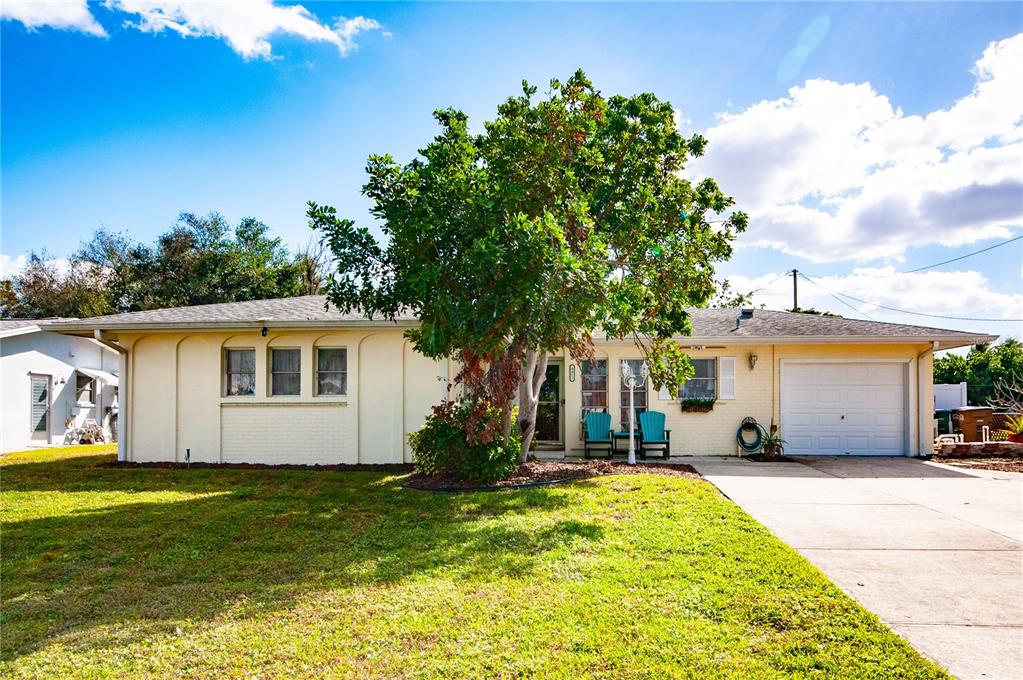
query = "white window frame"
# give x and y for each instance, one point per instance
(623, 395)
(90, 387)
(225, 373)
(316, 371)
(270, 371)
(713, 362)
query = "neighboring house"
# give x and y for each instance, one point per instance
(52, 383)
(286, 381)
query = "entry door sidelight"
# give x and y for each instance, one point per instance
(550, 410)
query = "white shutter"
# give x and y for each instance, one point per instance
(726, 377)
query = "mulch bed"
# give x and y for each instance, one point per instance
(544, 472)
(997, 463)
(761, 458)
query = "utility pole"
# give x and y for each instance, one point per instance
(795, 291)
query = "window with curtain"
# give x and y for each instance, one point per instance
(285, 372)
(703, 384)
(594, 385)
(594, 388)
(239, 372)
(640, 394)
(331, 371)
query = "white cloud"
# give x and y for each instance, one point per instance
(835, 172)
(9, 266)
(946, 293)
(247, 26)
(68, 15)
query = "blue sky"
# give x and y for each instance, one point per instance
(127, 129)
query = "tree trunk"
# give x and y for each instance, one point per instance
(533, 373)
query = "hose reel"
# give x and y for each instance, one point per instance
(750, 424)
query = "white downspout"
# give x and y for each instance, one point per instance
(921, 443)
(122, 399)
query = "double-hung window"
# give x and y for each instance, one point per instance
(639, 395)
(594, 377)
(285, 371)
(331, 371)
(85, 388)
(703, 384)
(239, 372)
(594, 388)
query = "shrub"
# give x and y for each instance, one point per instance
(462, 439)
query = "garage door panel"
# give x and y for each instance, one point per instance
(888, 374)
(828, 443)
(889, 398)
(858, 396)
(861, 419)
(828, 419)
(888, 419)
(858, 441)
(828, 396)
(835, 408)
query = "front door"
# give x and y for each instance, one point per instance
(549, 419)
(40, 396)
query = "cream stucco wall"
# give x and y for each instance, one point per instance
(176, 403)
(757, 393)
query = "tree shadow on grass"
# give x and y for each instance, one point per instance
(201, 543)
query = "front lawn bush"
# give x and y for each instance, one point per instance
(462, 439)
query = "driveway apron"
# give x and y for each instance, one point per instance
(935, 551)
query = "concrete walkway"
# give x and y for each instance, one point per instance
(935, 551)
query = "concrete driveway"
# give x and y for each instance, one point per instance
(935, 551)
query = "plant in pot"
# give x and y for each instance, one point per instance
(1014, 429)
(773, 446)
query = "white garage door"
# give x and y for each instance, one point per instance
(856, 409)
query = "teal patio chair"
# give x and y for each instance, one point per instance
(654, 436)
(598, 433)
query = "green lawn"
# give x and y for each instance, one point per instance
(110, 571)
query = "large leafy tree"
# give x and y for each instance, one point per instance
(47, 288)
(200, 259)
(989, 371)
(568, 215)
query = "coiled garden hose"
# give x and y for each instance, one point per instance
(750, 424)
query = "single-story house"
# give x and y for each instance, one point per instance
(290, 381)
(52, 384)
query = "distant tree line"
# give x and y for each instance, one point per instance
(199, 260)
(990, 372)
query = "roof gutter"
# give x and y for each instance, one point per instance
(944, 341)
(175, 326)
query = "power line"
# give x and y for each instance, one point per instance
(835, 295)
(768, 285)
(962, 257)
(906, 311)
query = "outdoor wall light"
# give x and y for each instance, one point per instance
(752, 361)
(571, 373)
(263, 320)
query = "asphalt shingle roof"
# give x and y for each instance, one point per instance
(313, 310)
(308, 308)
(14, 324)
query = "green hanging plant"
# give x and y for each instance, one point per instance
(696, 405)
